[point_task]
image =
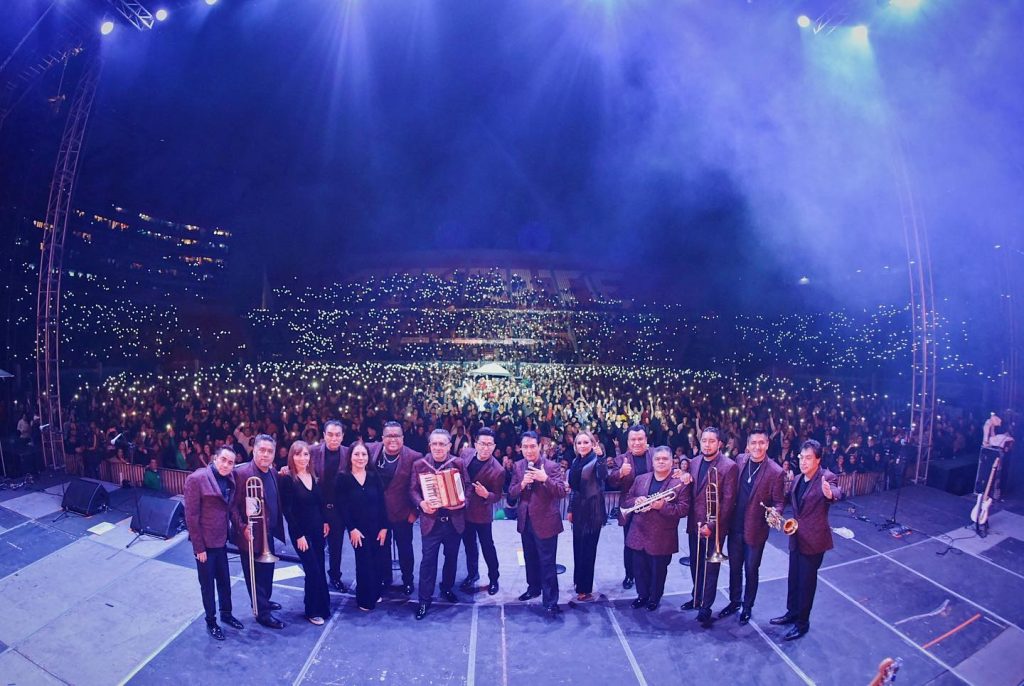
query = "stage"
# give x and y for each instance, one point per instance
(79, 608)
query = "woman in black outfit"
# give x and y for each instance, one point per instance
(361, 498)
(302, 506)
(587, 475)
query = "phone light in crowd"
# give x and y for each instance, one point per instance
(803, 21)
(161, 14)
(106, 27)
(860, 34)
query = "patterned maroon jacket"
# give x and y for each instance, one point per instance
(769, 487)
(813, 535)
(624, 483)
(207, 512)
(656, 532)
(539, 501)
(238, 518)
(428, 466)
(492, 477)
(727, 478)
(396, 495)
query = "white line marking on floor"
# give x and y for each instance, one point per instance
(785, 658)
(471, 667)
(504, 650)
(316, 648)
(625, 646)
(161, 647)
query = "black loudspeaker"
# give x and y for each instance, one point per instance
(954, 476)
(85, 498)
(160, 517)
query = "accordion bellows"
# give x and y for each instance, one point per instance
(443, 489)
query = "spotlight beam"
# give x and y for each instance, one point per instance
(135, 12)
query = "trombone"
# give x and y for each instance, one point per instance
(717, 557)
(255, 512)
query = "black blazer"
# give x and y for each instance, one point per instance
(362, 507)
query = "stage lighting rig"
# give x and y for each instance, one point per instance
(135, 12)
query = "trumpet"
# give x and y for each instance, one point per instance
(255, 512)
(775, 521)
(646, 502)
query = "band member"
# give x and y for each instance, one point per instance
(812, 494)
(438, 526)
(486, 480)
(263, 450)
(361, 498)
(539, 484)
(587, 514)
(760, 481)
(654, 535)
(328, 458)
(712, 468)
(625, 468)
(393, 461)
(302, 502)
(208, 496)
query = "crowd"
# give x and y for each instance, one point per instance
(181, 419)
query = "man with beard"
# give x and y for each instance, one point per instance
(637, 460)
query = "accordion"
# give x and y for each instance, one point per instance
(443, 489)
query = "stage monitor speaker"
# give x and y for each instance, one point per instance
(85, 498)
(160, 517)
(954, 476)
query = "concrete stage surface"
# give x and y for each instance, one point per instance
(76, 607)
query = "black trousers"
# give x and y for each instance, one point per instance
(705, 576)
(401, 532)
(627, 552)
(584, 558)
(442, 534)
(744, 561)
(541, 575)
(336, 541)
(486, 536)
(215, 572)
(373, 571)
(264, 583)
(651, 572)
(803, 582)
(316, 597)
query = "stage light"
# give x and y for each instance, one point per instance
(803, 21)
(211, 2)
(860, 33)
(106, 27)
(905, 4)
(804, 281)
(161, 14)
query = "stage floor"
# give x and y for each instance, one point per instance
(79, 608)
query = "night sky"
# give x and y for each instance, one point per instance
(697, 145)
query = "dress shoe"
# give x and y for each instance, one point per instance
(407, 589)
(627, 583)
(232, 622)
(745, 617)
(316, 621)
(553, 610)
(794, 633)
(271, 622)
(339, 585)
(529, 595)
(705, 618)
(421, 611)
(730, 609)
(638, 603)
(468, 584)
(215, 631)
(652, 606)
(784, 619)
(584, 597)
(492, 588)
(273, 606)
(687, 606)
(449, 596)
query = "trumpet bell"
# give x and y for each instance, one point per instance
(717, 557)
(268, 558)
(790, 526)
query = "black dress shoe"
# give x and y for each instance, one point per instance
(271, 622)
(638, 603)
(339, 585)
(449, 596)
(652, 606)
(705, 618)
(627, 582)
(784, 619)
(407, 589)
(553, 610)
(232, 622)
(529, 595)
(273, 606)
(492, 588)
(468, 584)
(687, 606)
(730, 609)
(744, 616)
(215, 631)
(794, 633)
(421, 611)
